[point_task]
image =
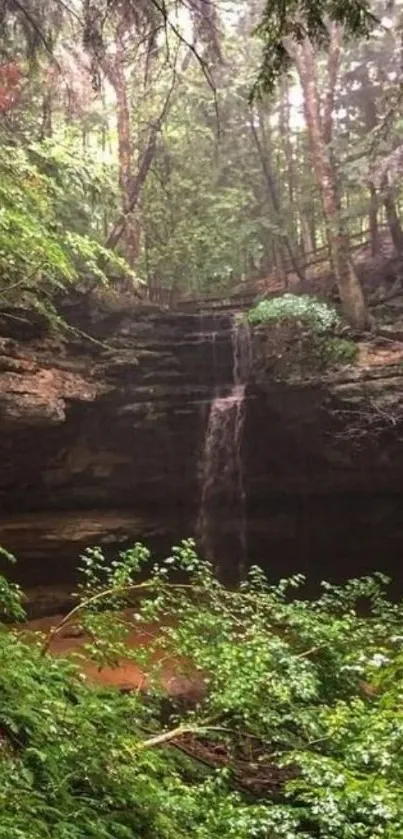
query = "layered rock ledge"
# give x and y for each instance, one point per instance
(102, 432)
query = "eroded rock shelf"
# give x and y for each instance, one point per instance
(101, 443)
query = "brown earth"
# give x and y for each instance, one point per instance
(127, 674)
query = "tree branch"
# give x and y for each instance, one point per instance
(167, 736)
(33, 24)
(101, 595)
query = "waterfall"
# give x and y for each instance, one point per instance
(241, 351)
(222, 473)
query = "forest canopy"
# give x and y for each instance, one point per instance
(183, 150)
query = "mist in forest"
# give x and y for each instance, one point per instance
(134, 150)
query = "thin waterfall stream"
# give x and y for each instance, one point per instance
(222, 472)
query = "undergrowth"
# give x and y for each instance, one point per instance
(49, 238)
(315, 687)
(309, 311)
(302, 336)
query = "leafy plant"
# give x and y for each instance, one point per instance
(43, 247)
(339, 350)
(308, 311)
(310, 690)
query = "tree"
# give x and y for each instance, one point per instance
(127, 35)
(367, 84)
(311, 22)
(264, 156)
(202, 188)
(319, 122)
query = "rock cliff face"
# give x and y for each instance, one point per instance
(324, 459)
(100, 439)
(101, 443)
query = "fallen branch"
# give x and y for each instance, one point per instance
(167, 736)
(309, 652)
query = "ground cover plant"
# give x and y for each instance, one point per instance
(303, 309)
(294, 727)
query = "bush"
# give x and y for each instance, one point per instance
(308, 692)
(300, 340)
(306, 310)
(47, 241)
(339, 350)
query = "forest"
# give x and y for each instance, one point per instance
(216, 184)
(157, 151)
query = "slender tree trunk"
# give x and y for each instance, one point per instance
(319, 132)
(280, 264)
(115, 71)
(306, 201)
(370, 115)
(284, 130)
(104, 140)
(48, 100)
(47, 115)
(373, 220)
(285, 133)
(290, 164)
(124, 229)
(333, 66)
(273, 195)
(392, 217)
(370, 120)
(118, 231)
(306, 236)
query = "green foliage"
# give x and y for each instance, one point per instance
(314, 686)
(308, 311)
(203, 225)
(10, 594)
(339, 350)
(46, 242)
(213, 209)
(298, 20)
(300, 338)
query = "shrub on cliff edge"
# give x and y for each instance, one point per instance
(302, 336)
(307, 310)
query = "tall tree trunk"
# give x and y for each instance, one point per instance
(124, 228)
(373, 220)
(48, 99)
(392, 216)
(306, 236)
(369, 110)
(285, 133)
(333, 66)
(370, 121)
(273, 194)
(104, 141)
(47, 114)
(279, 262)
(115, 70)
(291, 175)
(320, 131)
(118, 230)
